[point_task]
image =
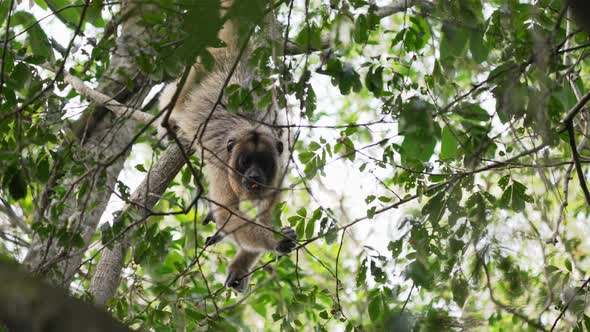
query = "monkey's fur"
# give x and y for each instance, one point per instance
(244, 158)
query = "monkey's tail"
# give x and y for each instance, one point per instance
(229, 33)
(240, 17)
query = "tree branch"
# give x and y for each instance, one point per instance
(14, 220)
(571, 114)
(106, 279)
(399, 6)
(106, 101)
(292, 48)
(576, 158)
(103, 137)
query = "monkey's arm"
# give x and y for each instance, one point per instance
(246, 233)
(253, 236)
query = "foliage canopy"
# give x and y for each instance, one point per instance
(438, 180)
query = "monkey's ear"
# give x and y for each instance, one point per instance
(280, 147)
(230, 145)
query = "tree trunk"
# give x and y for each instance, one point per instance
(108, 272)
(29, 305)
(104, 136)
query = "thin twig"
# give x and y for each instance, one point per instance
(576, 158)
(584, 285)
(5, 47)
(407, 299)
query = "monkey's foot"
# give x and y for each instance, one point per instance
(289, 241)
(236, 281)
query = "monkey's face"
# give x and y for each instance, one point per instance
(253, 157)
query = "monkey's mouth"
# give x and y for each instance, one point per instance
(254, 187)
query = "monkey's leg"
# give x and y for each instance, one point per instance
(237, 277)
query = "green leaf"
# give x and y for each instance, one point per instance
(293, 220)
(415, 118)
(395, 247)
(17, 187)
(20, 77)
(302, 212)
(361, 31)
(504, 181)
(371, 212)
(460, 289)
(418, 148)
(419, 130)
(313, 146)
(310, 101)
(330, 235)
(449, 144)
(477, 46)
(309, 229)
(435, 207)
(375, 307)
(202, 32)
(420, 274)
(305, 157)
(4, 9)
(374, 81)
(42, 169)
(310, 37)
(277, 212)
(317, 214)
(300, 229)
(453, 43)
(93, 13)
(398, 37)
(361, 275)
(514, 197)
(239, 99)
(65, 12)
(349, 80)
(141, 168)
(37, 38)
(417, 35)
(472, 113)
(385, 199)
(195, 315)
(377, 273)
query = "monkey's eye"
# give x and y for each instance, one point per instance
(230, 145)
(280, 147)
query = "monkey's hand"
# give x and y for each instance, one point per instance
(163, 131)
(288, 242)
(211, 240)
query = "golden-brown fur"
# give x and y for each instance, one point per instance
(212, 131)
